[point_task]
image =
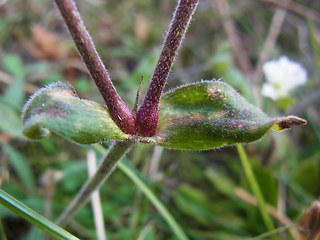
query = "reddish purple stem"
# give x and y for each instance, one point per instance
(118, 110)
(147, 116)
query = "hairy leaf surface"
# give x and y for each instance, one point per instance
(211, 114)
(58, 109)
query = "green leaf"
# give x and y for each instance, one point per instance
(13, 64)
(14, 95)
(33, 217)
(21, 166)
(194, 203)
(222, 183)
(267, 183)
(10, 121)
(284, 103)
(2, 232)
(211, 114)
(308, 172)
(58, 109)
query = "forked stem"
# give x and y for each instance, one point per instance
(147, 116)
(106, 167)
(119, 111)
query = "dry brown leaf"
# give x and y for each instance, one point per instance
(309, 223)
(45, 44)
(106, 31)
(141, 28)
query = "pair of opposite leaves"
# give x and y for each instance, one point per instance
(199, 116)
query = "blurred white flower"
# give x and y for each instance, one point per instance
(282, 75)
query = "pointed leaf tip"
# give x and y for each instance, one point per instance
(288, 122)
(57, 108)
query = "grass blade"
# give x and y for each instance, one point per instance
(175, 227)
(2, 232)
(33, 217)
(255, 189)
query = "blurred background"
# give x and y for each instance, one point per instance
(206, 192)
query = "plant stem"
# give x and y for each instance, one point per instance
(255, 189)
(268, 47)
(106, 167)
(119, 111)
(132, 173)
(147, 116)
(95, 198)
(238, 52)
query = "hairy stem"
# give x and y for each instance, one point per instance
(119, 112)
(147, 116)
(106, 167)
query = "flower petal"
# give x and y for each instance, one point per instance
(268, 90)
(285, 73)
